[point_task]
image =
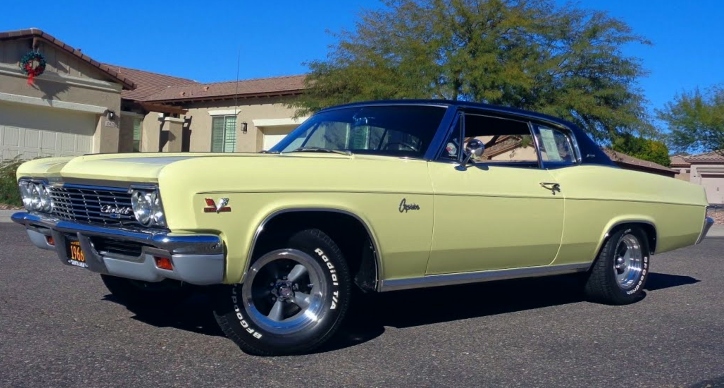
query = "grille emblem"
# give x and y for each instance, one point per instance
(212, 207)
(115, 212)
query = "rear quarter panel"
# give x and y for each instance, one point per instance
(599, 197)
(258, 187)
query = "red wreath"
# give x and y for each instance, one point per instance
(27, 64)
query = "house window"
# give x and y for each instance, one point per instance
(223, 134)
(137, 128)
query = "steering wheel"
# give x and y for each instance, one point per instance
(406, 145)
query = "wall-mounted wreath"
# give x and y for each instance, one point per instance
(33, 65)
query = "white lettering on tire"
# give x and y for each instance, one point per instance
(641, 279)
(332, 273)
(240, 317)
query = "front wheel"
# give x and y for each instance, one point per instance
(293, 298)
(620, 272)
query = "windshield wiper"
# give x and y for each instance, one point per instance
(320, 149)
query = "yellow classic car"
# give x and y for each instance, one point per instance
(365, 197)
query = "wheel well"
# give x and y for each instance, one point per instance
(346, 230)
(648, 229)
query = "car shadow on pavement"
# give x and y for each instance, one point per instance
(371, 313)
(194, 315)
(402, 309)
(659, 281)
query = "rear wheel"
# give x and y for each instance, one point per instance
(620, 272)
(293, 298)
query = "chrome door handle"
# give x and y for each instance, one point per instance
(552, 186)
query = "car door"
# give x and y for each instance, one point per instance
(502, 211)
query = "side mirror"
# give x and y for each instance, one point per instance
(475, 148)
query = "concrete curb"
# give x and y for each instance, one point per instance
(5, 215)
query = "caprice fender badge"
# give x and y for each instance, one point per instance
(405, 207)
(213, 207)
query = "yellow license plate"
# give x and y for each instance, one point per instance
(75, 254)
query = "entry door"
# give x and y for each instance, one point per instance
(493, 217)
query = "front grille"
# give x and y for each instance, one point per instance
(84, 204)
(127, 248)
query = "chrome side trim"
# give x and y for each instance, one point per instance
(480, 276)
(708, 222)
(271, 216)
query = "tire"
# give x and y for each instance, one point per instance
(137, 293)
(621, 269)
(293, 299)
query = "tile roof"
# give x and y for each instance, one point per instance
(679, 161)
(620, 157)
(274, 86)
(44, 36)
(147, 83)
(709, 157)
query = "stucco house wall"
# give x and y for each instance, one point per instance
(64, 111)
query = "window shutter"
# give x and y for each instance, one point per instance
(230, 134)
(217, 134)
(136, 135)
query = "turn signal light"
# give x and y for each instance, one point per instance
(163, 263)
(50, 241)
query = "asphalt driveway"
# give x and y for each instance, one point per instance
(60, 327)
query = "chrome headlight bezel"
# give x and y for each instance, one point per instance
(35, 195)
(147, 206)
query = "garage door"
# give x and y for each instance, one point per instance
(273, 135)
(714, 185)
(32, 131)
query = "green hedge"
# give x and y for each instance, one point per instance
(9, 193)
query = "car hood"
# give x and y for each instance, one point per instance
(136, 167)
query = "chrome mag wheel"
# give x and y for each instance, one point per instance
(628, 261)
(284, 291)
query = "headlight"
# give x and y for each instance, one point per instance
(147, 207)
(36, 196)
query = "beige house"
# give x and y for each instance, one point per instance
(70, 109)
(186, 116)
(78, 106)
(704, 169)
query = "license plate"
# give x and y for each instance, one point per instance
(75, 255)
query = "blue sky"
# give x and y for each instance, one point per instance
(201, 40)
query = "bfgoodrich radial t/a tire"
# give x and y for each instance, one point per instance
(293, 298)
(620, 272)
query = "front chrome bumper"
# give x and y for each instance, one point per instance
(708, 222)
(196, 258)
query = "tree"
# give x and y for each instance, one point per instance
(696, 121)
(528, 54)
(642, 148)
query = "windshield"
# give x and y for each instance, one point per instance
(401, 130)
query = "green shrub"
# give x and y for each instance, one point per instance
(9, 193)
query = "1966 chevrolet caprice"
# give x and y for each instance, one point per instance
(373, 197)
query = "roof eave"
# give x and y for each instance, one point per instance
(224, 97)
(50, 39)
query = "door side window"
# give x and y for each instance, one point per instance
(508, 142)
(555, 146)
